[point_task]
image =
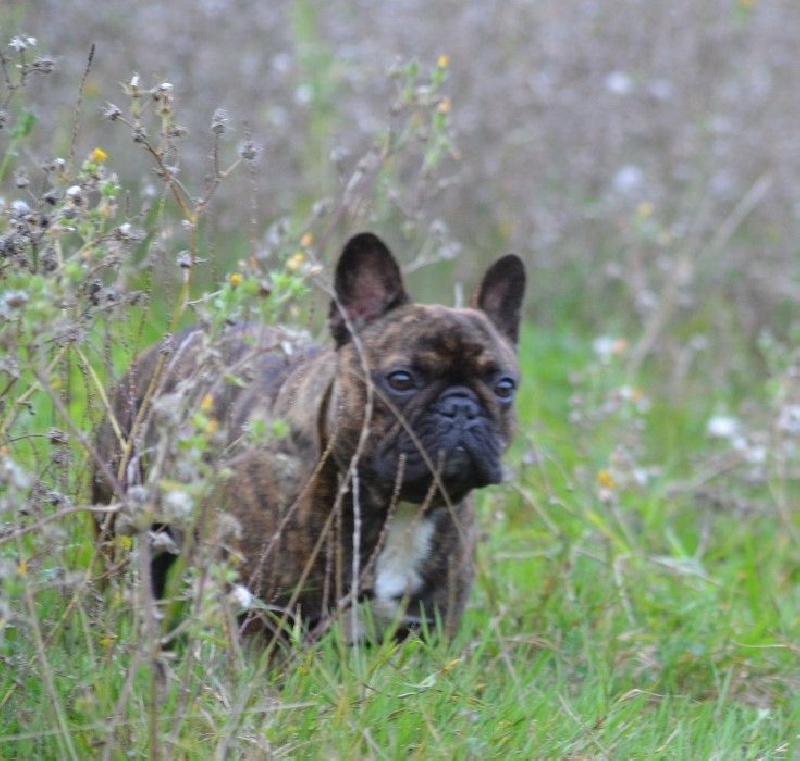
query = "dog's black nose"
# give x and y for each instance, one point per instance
(459, 403)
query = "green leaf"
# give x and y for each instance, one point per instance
(24, 125)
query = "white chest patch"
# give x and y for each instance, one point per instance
(397, 568)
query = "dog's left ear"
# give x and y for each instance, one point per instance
(368, 284)
(500, 295)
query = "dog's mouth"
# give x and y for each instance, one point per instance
(456, 467)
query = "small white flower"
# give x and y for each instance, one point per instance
(603, 346)
(304, 94)
(619, 83)
(789, 419)
(12, 475)
(722, 427)
(606, 347)
(644, 475)
(22, 43)
(281, 63)
(756, 454)
(628, 180)
(242, 597)
(178, 504)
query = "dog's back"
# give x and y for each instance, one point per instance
(233, 378)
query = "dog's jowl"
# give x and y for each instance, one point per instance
(391, 425)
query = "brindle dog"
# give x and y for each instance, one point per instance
(390, 427)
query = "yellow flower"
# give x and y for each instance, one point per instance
(306, 240)
(443, 61)
(234, 279)
(296, 261)
(22, 568)
(448, 667)
(645, 209)
(207, 403)
(212, 425)
(444, 106)
(605, 479)
(98, 155)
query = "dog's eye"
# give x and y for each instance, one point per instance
(401, 380)
(504, 388)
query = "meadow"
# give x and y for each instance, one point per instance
(638, 586)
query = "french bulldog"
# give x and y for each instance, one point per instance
(388, 428)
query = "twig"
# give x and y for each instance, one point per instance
(77, 113)
(584, 728)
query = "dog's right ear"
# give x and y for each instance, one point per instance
(368, 285)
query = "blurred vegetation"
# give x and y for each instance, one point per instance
(637, 592)
(570, 115)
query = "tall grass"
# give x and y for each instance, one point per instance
(637, 592)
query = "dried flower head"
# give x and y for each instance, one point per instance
(250, 150)
(43, 65)
(111, 112)
(219, 121)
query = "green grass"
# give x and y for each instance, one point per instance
(649, 623)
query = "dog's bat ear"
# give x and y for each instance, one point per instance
(500, 295)
(368, 285)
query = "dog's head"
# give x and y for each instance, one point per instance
(433, 385)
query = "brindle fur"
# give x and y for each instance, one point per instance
(293, 498)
